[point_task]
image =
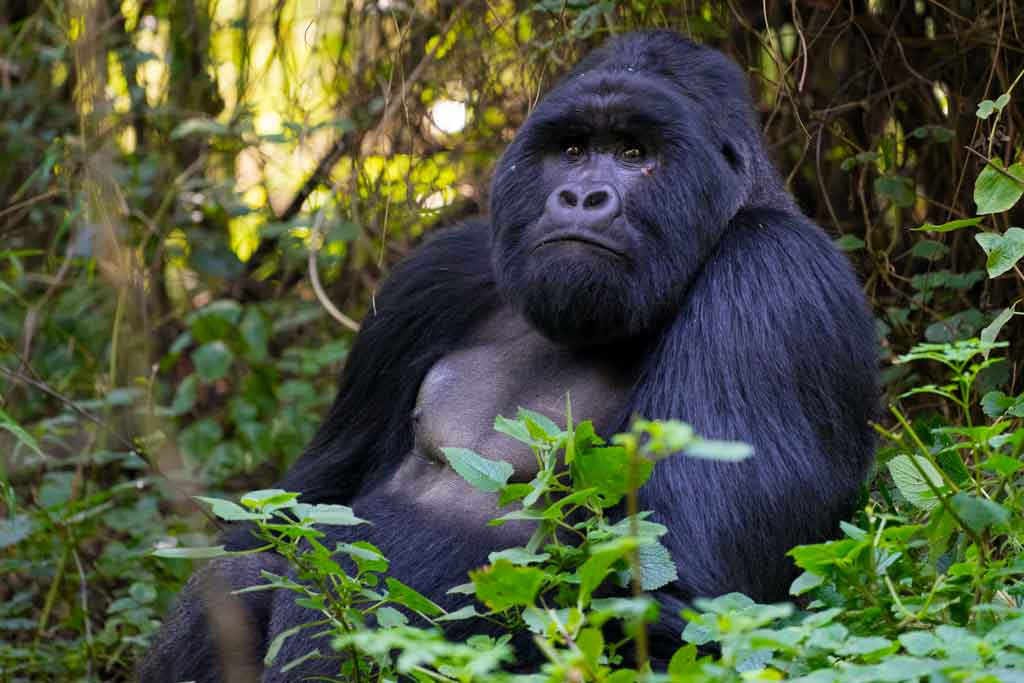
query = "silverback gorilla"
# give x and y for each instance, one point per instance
(642, 254)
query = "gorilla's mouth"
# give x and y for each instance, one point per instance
(580, 237)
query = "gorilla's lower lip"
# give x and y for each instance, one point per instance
(589, 239)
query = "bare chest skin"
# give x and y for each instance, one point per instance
(505, 365)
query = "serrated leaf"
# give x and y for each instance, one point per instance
(1002, 464)
(657, 568)
(948, 227)
(503, 585)
(337, 515)
(910, 482)
(481, 473)
(994, 192)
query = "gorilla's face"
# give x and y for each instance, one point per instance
(613, 195)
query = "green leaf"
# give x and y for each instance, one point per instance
(413, 599)
(1003, 464)
(849, 243)
(191, 553)
(229, 511)
(1003, 250)
(979, 513)
(606, 469)
(898, 189)
(7, 423)
(950, 226)
(987, 107)
(919, 643)
(930, 250)
(503, 585)
(657, 568)
(867, 646)
(482, 473)
(368, 557)
(994, 192)
(992, 330)
(337, 515)
(593, 572)
(212, 361)
(14, 530)
(517, 556)
(805, 583)
(269, 499)
(910, 482)
(389, 617)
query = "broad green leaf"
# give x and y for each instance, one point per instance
(503, 585)
(988, 107)
(594, 571)
(910, 482)
(979, 513)
(994, 192)
(607, 470)
(867, 646)
(950, 226)
(1003, 464)
(411, 598)
(212, 361)
(919, 643)
(482, 473)
(657, 568)
(389, 617)
(1003, 250)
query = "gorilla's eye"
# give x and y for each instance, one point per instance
(573, 152)
(633, 154)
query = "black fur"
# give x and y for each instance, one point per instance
(753, 328)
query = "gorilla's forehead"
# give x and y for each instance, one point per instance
(608, 101)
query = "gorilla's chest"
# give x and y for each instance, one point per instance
(504, 365)
(507, 366)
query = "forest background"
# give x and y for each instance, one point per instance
(198, 199)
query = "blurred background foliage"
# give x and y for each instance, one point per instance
(198, 198)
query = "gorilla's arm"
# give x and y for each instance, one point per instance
(770, 351)
(423, 310)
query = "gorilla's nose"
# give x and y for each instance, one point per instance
(588, 207)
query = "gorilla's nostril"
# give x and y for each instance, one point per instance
(595, 199)
(568, 198)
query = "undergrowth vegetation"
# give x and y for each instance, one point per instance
(197, 199)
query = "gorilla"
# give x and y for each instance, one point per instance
(642, 254)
